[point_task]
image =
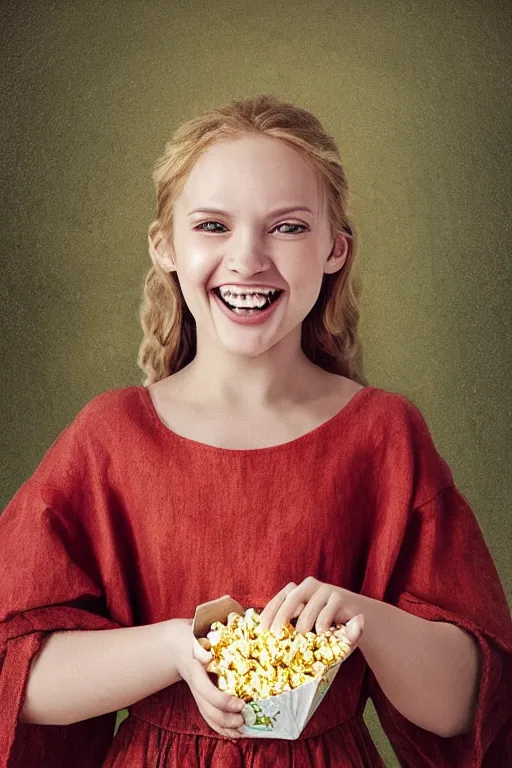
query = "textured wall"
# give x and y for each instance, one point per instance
(417, 95)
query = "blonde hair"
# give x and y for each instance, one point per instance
(329, 332)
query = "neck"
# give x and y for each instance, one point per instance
(281, 375)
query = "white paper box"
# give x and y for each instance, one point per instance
(277, 717)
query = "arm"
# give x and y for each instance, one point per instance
(429, 670)
(82, 674)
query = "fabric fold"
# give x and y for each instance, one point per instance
(47, 584)
(445, 573)
(38, 746)
(124, 524)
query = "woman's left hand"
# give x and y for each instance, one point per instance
(314, 604)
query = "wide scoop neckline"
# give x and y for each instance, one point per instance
(348, 409)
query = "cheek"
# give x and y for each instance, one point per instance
(305, 280)
(199, 264)
(195, 269)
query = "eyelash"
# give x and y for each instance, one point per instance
(283, 224)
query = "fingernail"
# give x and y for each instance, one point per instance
(351, 625)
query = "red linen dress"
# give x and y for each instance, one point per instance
(125, 523)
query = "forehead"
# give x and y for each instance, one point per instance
(259, 171)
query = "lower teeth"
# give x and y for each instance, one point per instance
(243, 311)
(248, 310)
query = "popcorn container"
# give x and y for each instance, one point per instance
(281, 716)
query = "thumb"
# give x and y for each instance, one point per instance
(200, 653)
(354, 628)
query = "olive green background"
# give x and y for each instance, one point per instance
(417, 96)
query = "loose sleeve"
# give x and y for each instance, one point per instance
(49, 580)
(445, 573)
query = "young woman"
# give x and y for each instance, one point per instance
(255, 460)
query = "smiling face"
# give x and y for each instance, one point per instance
(251, 243)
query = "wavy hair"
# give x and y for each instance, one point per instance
(329, 332)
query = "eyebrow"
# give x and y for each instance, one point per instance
(277, 212)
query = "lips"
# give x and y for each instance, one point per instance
(254, 317)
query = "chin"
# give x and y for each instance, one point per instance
(237, 345)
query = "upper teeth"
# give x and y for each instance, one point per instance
(246, 297)
(235, 290)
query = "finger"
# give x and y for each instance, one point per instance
(222, 720)
(200, 653)
(270, 610)
(331, 613)
(229, 733)
(297, 612)
(290, 610)
(292, 606)
(355, 628)
(313, 607)
(312, 597)
(201, 685)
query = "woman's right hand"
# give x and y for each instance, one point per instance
(220, 710)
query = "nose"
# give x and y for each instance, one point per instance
(246, 256)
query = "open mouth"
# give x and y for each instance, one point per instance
(241, 310)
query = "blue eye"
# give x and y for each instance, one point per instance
(284, 224)
(299, 226)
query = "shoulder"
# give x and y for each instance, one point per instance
(396, 413)
(107, 420)
(104, 428)
(109, 406)
(405, 445)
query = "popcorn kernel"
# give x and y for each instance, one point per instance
(253, 664)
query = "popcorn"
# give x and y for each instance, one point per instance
(282, 677)
(253, 664)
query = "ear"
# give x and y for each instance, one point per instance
(340, 252)
(159, 249)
